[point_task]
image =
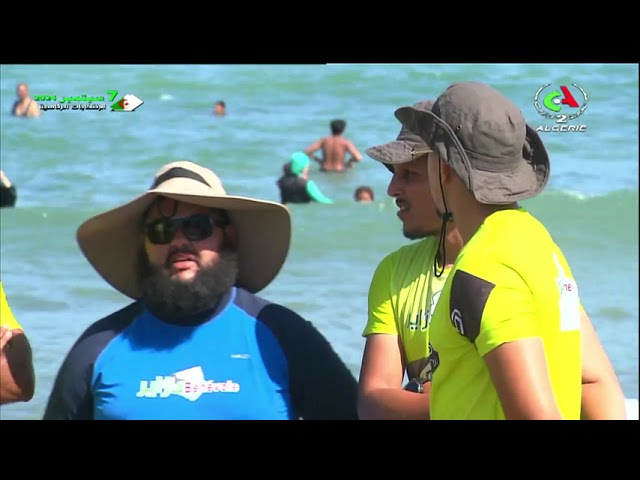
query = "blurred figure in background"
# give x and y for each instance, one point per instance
(220, 109)
(334, 149)
(363, 194)
(294, 184)
(24, 106)
(8, 192)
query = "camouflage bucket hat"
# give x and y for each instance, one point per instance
(485, 139)
(399, 151)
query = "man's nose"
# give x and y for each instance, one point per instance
(393, 190)
(179, 238)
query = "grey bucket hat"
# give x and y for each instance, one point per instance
(399, 151)
(485, 139)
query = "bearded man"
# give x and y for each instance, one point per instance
(197, 343)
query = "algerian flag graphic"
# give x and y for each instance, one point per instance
(128, 103)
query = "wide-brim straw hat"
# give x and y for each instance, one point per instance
(111, 241)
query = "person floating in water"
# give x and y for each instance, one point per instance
(8, 192)
(220, 109)
(294, 184)
(363, 194)
(24, 106)
(334, 149)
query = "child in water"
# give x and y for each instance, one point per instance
(363, 194)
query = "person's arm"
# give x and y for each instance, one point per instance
(322, 386)
(316, 195)
(5, 181)
(383, 365)
(513, 350)
(314, 147)
(71, 397)
(17, 376)
(504, 324)
(602, 395)
(519, 373)
(381, 396)
(356, 156)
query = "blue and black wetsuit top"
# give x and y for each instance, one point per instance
(248, 359)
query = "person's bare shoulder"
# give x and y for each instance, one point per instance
(34, 109)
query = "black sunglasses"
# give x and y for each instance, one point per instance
(195, 228)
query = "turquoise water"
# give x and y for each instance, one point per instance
(72, 164)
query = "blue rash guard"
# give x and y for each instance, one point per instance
(249, 359)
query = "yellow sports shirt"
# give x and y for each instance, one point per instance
(6, 316)
(509, 282)
(402, 297)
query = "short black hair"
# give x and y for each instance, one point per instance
(337, 126)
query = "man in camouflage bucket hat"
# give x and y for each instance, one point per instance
(495, 153)
(399, 150)
(404, 291)
(509, 332)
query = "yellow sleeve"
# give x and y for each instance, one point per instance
(6, 316)
(500, 306)
(381, 318)
(491, 306)
(509, 314)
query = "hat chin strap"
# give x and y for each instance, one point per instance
(441, 253)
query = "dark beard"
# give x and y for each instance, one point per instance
(419, 234)
(414, 235)
(176, 300)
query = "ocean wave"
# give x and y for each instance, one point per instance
(590, 220)
(624, 195)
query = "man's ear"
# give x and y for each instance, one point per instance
(231, 237)
(446, 172)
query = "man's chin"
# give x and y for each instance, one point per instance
(184, 276)
(419, 234)
(414, 234)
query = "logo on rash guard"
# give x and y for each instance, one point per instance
(189, 384)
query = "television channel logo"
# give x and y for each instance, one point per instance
(562, 105)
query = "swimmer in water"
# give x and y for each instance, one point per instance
(220, 109)
(363, 194)
(8, 193)
(294, 184)
(334, 149)
(24, 106)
